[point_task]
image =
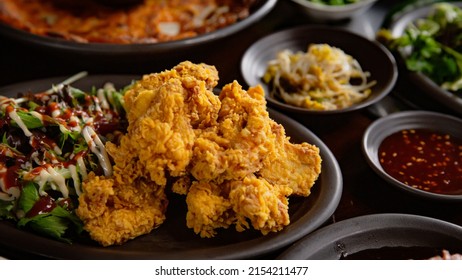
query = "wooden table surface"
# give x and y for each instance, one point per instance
(363, 191)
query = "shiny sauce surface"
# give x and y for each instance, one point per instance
(395, 253)
(424, 159)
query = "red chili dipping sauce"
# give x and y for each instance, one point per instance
(424, 159)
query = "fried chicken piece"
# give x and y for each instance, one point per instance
(235, 147)
(212, 206)
(265, 205)
(162, 110)
(247, 168)
(235, 164)
(208, 208)
(294, 165)
(113, 212)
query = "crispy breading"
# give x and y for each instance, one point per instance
(235, 147)
(162, 110)
(294, 165)
(114, 213)
(234, 163)
(265, 205)
(208, 208)
(250, 168)
(212, 206)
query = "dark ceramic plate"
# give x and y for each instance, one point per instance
(173, 240)
(260, 9)
(383, 127)
(424, 83)
(372, 56)
(379, 236)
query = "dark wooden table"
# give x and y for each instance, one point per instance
(363, 191)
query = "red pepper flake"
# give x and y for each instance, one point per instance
(424, 159)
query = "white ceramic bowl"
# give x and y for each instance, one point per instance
(320, 12)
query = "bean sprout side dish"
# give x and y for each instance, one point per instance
(323, 78)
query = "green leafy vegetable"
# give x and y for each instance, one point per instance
(406, 6)
(48, 225)
(433, 46)
(54, 223)
(6, 208)
(29, 120)
(6, 147)
(29, 196)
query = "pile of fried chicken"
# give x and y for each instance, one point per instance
(231, 161)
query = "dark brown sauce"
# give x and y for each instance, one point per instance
(395, 253)
(44, 205)
(424, 159)
(10, 177)
(40, 139)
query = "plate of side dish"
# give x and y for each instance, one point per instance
(319, 70)
(417, 152)
(131, 31)
(173, 239)
(379, 237)
(436, 73)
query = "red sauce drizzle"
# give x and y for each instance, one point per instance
(44, 205)
(424, 159)
(41, 139)
(53, 106)
(10, 177)
(104, 125)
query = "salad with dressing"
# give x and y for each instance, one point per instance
(50, 142)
